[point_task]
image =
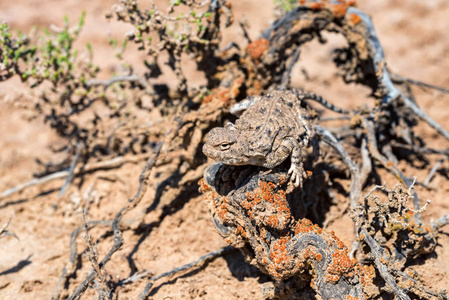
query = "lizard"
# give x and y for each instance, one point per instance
(273, 128)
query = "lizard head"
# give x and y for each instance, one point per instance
(224, 144)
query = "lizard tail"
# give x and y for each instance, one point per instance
(303, 95)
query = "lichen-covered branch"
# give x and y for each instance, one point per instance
(253, 212)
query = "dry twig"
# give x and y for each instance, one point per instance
(107, 164)
(380, 256)
(5, 232)
(117, 233)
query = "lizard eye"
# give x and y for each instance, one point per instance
(225, 146)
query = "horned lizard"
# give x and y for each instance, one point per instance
(272, 129)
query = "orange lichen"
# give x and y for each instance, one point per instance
(367, 275)
(273, 272)
(408, 284)
(264, 235)
(310, 254)
(279, 251)
(223, 95)
(341, 265)
(257, 48)
(302, 2)
(240, 231)
(354, 19)
(317, 6)
(339, 10)
(207, 99)
(204, 187)
(211, 195)
(222, 211)
(218, 202)
(273, 221)
(306, 226)
(270, 198)
(282, 180)
(351, 2)
(280, 260)
(427, 228)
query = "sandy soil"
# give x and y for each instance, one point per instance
(414, 36)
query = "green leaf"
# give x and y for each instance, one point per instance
(125, 42)
(82, 19)
(89, 48)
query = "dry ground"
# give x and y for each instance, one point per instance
(415, 39)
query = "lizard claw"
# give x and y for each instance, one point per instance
(297, 174)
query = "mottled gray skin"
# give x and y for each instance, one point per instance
(272, 129)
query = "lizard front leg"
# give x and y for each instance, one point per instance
(290, 146)
(296, 171)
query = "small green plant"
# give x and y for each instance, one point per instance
(286, 5)
(48, 57)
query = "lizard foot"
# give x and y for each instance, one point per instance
(297, 175)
